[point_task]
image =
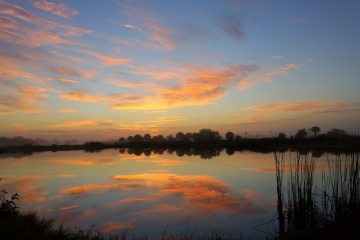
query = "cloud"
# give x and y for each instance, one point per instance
(86, 123)
(64, 80)
(67, 110)
(59, 9)
(38, 32)
(92, 98)
(232, 25)
(133, 27)
(298, 106)
(283, 70)
(202, 87)
(26, 99)
(251, 119)
(107, 60)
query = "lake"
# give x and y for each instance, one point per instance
(148, 193)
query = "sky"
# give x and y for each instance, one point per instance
(84, 70)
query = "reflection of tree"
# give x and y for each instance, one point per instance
(230, 151)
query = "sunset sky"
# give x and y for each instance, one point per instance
(82, 69)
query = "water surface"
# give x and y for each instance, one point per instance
(146, 194)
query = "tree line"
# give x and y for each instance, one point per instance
(208, 135)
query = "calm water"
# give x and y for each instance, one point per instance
(118, 191)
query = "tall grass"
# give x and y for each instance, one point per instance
(328, 211)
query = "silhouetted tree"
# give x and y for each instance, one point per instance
(315, 130)
(229, 136)
(138, 138)
(301, 134)
(282, 135)
(180, 137)
(122, 140)
(237, 138)
(335, 132)
(207, 135)
(158, 139)
(147, 137)
(189, 137)
(130, 139)
(170, 138)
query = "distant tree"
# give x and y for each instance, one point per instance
(180, 137)
(189, 137)
(301, 134)
(147, 137)
(170, 138)
(207, 135)
(335, 132)
(229, 136)
(130, 139)
(315, 130)
(138, 138)
(237, 138)
(122, 140)
(282, 135)
(158, 138)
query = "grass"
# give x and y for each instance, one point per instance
(331, 211)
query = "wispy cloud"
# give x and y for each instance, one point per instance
(26, 99)
(85, 123)
(299, 106)
(231, 24)
(59, 9)
(106, 60)
(67, 110)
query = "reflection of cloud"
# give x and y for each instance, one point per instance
(29, 188)
(204, 193)
(116, 226)
(81, 162)
(77, 216)
(65, 208)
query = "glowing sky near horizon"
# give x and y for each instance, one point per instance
(104, 69)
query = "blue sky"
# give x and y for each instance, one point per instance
(104, 69)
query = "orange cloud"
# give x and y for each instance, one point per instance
(298, 106)
(59, 9)
(77, 216)
(106, 60)
(64, 208)
(63, 80)
(77, 96)
(66, 110)
(253, 119)
(203, 87)
(85, 123)
(40, 31)
(26, 99)
(30, 188)
(116, 226)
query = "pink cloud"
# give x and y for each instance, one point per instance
(59, 9)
